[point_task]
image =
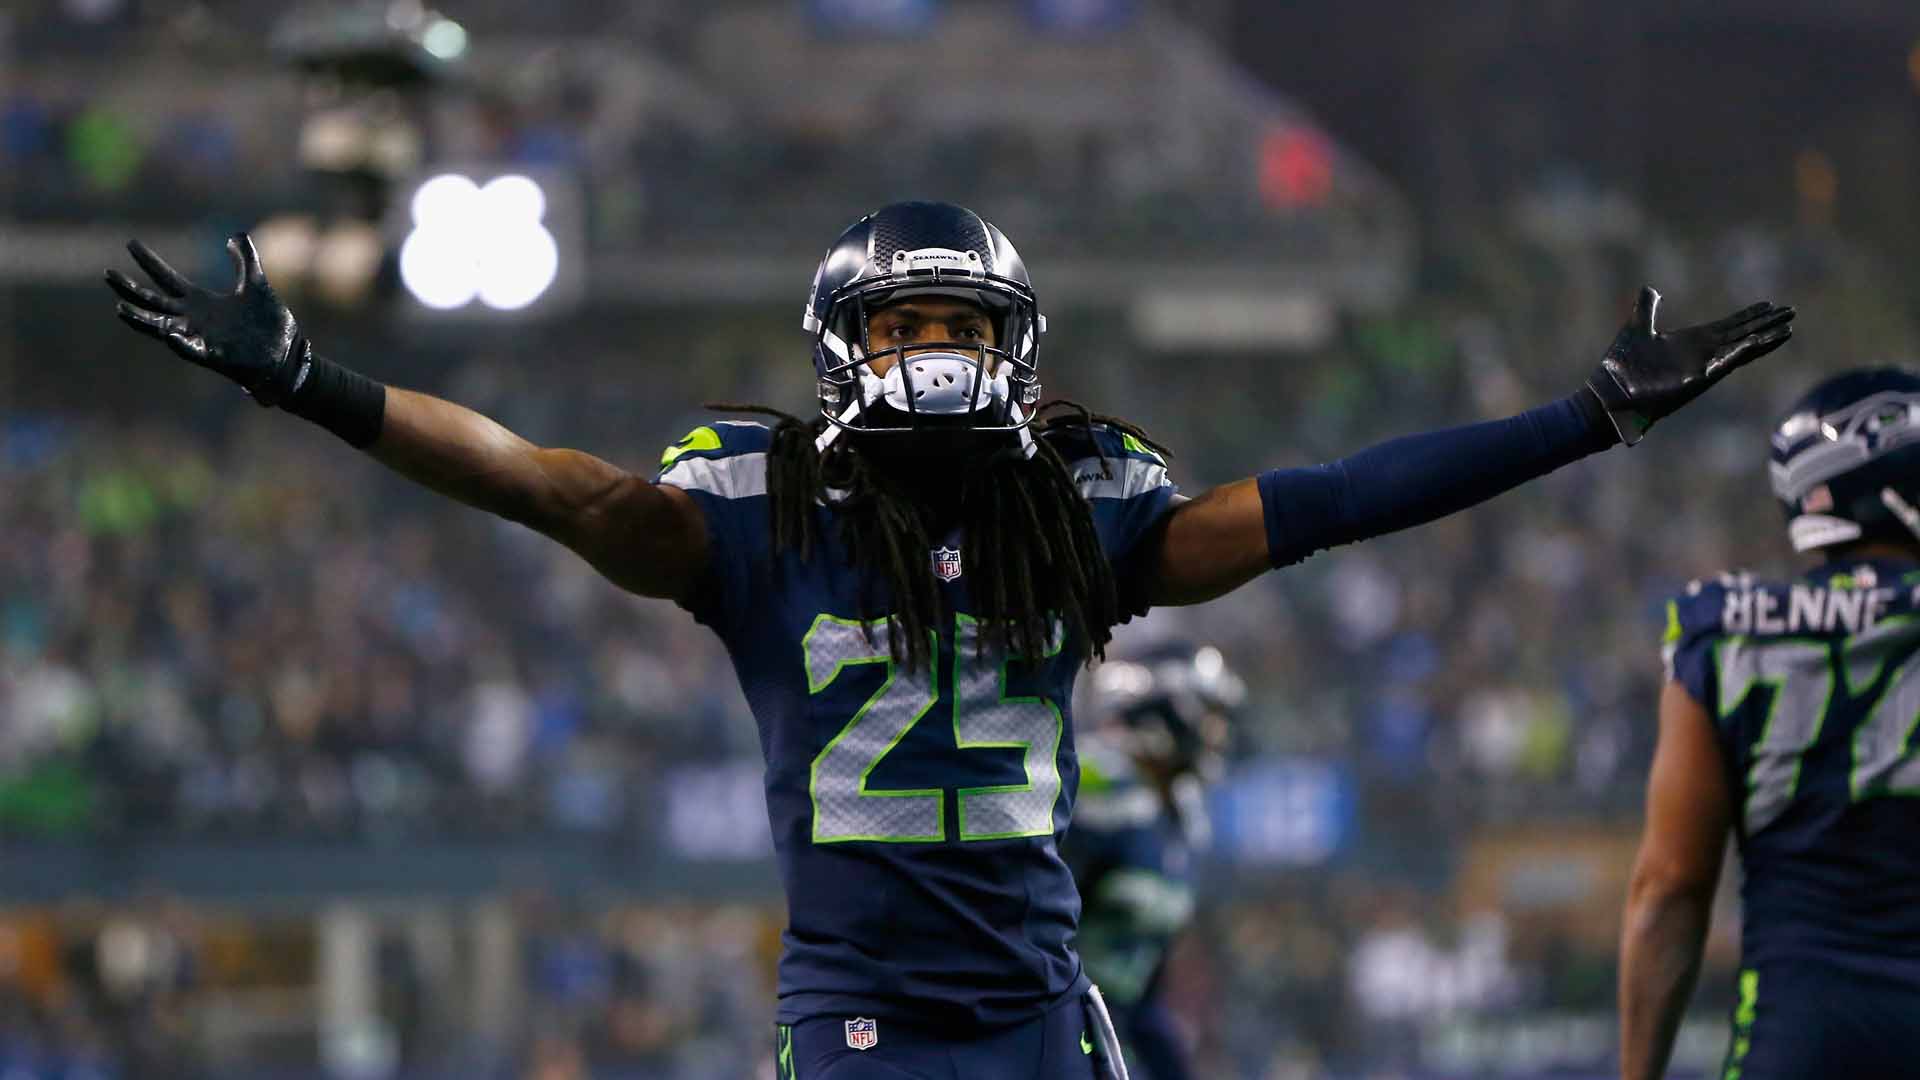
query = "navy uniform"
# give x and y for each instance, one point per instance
(1815, 689)
(1133, 857)
(1162, 727)
(916, 815)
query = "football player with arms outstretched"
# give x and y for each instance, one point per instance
(1155, 726)
(907, 583)
(1788, 720)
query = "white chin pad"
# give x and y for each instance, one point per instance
(939, 383)
(1812, 531)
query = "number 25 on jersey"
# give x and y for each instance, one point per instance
(985, 717)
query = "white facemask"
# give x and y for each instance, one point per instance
(938, 384)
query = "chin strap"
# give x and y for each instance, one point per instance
(1902, 509)
(826, 437)
(1028, 447)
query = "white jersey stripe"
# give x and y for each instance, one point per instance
(741, 476)
(1130, 477)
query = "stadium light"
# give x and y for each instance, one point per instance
(478, 242)
(444, 39)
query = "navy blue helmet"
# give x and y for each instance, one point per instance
(1171, 704)
(924, 249)
(1846, 459)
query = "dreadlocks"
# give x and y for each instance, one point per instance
(1031, 546)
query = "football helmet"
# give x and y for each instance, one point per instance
(1846, 458)
(1171, 704)
(924, 249)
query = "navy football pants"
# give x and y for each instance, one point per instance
(1055, 1046)
(1791, 1024)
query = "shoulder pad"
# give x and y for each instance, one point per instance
(1696, 611)
(1693, 624)
(722, 438)
(1073, 441)
(1107, 463)
(727, 458)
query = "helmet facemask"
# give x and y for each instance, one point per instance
(945, 386)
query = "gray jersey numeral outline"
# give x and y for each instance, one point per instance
(985, 717)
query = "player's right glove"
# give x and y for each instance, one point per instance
(1647, 374)
(249, 336)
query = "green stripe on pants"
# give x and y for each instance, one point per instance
(783, 1064)
(1743, 1014)
(784, 1054)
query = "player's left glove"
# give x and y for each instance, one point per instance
(1647, 374)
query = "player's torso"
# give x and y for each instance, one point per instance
(916, 810)
(1815, 690)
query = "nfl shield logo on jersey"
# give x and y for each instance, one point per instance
(862, 1034)
(946, 563)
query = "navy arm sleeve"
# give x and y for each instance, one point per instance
(1413, 480)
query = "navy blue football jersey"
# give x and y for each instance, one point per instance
(916, 814)
(1134, 864)
(1814, 687)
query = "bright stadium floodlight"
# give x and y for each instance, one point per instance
(522, 257)
(445, 39)
(472, 242)
(519, 268)
(513, 198)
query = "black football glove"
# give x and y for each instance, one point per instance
(248, 335)
(1648, 374)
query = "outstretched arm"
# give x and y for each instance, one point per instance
(646, 538)
(1670, 897)
(1231, 534)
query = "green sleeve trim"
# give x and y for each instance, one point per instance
(1136, 446)
(699, 439)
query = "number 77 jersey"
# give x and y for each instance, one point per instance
(916, 813)
(1814, 688)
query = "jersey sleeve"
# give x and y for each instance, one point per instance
(1686, 646)
(723, 467)
(1130, 492)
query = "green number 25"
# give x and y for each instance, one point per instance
(846, 808)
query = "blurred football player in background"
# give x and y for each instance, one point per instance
(1155, 733)
(923, 547)
(1789, 718)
